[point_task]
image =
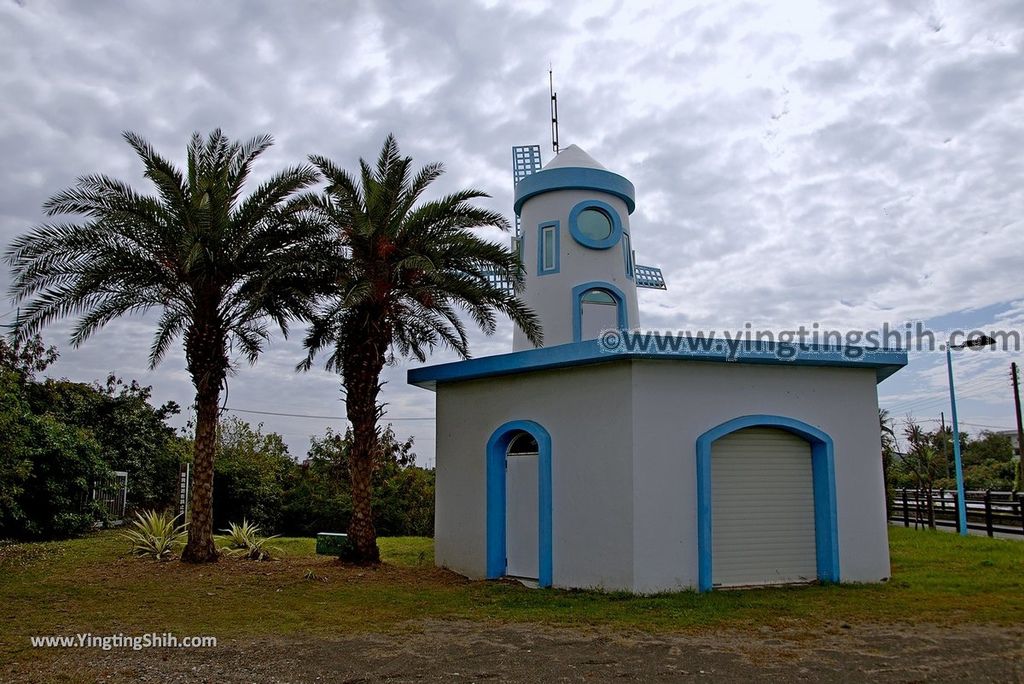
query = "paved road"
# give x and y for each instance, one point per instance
(442, 651)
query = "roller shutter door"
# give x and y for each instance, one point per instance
(762, 519)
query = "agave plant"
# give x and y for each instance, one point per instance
(155, 535)
(313, 576)
(245, 540)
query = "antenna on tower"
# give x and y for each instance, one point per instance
(554, 110)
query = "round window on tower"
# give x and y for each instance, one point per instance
(595, 224)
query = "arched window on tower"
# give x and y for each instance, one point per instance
(599, 310)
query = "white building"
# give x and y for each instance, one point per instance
(595, 461)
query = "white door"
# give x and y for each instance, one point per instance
(598, 311)
(522, 520)
(762, 516)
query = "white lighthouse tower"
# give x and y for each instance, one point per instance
(585, 465)
(576, 245)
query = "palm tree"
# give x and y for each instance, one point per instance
(218, 267)
(924, 462)
(404, 272)
(890, 448)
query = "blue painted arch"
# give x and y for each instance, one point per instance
(497, 448)
(622, 318)
(826, 534)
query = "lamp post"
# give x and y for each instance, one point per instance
(961, 503)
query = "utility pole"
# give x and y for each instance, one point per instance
(1015, 374)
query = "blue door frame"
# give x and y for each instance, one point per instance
(497, 448)
(826, 535)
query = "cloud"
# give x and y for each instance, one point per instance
(848, 163)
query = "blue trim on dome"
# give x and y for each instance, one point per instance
(572, 178)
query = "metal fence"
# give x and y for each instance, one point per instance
(111, 495)
(988, 511)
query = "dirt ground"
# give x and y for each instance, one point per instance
(488, 652)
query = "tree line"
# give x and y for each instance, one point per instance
(62, 438)
(256, 479)
(925, 462)
(370, 268)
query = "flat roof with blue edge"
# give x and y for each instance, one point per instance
(884, 362)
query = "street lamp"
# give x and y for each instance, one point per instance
(961, 503)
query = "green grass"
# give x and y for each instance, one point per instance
(92, 585)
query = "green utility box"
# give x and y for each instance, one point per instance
(331, 543)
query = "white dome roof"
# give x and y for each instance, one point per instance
(573, 157)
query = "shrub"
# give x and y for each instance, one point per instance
(155, 535)
(317, 496)
(250, 471)
(133, 435)
(56, 495)
(59, 438)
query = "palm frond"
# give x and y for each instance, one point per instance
(410, 269)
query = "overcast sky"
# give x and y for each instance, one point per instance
(846, 163)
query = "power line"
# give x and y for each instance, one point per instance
(968, 386)
(964, 422)
(929, 404)
(306, 415)
(968, 390)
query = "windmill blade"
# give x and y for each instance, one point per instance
(649, 277)
(525, 160)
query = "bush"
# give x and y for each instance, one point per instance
(15, 456)
(56, 499)
(249, 475)
(59, 438)
(133, 434)
(318, 499)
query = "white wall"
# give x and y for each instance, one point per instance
(624, 462)
(550, 296)
(675, 402)
(587, 413)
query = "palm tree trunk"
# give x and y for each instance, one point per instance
(207, 363)
(362, 384)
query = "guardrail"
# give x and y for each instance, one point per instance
(988, 511)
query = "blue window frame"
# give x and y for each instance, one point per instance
(548, 246)
(578, 294)
(585, 221)
(627, 253)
